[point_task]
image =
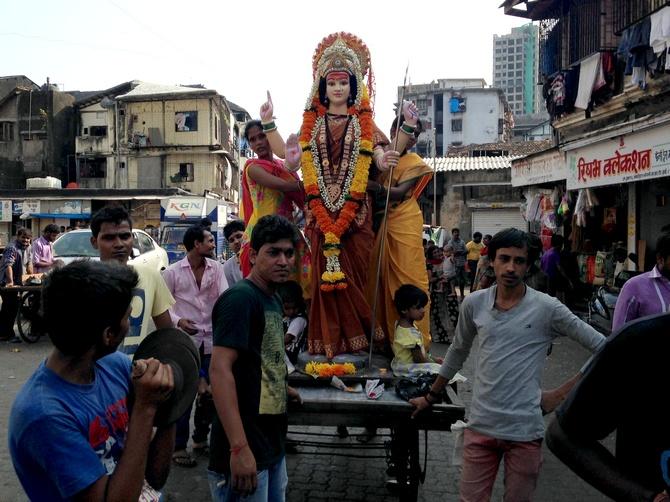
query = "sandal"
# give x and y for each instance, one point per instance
(183, 458)
(200, 449)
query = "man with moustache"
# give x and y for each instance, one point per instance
(515, 325)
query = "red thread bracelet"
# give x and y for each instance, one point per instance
(234, 450)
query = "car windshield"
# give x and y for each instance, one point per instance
(173, 235)
(75, 244)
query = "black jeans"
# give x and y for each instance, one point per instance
(11, 300)
(204, 413)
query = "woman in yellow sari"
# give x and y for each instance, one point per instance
(403, 260)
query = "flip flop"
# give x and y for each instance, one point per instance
(200, 449)
(183, 459)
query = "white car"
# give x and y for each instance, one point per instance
(76, 245)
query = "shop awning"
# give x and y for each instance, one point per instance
(71, 216)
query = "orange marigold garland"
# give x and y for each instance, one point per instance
(333, 228)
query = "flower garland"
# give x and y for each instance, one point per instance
(329, 369)
(354, 192)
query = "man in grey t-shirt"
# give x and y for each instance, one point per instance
(515, 326)
(233, 232)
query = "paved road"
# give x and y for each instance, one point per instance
(323, 477)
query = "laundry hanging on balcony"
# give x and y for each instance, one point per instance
(591, 77)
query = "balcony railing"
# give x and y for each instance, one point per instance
(573, 31)
(629, 12)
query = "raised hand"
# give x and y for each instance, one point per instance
(293, 152)
(267, 110)
(410, 112)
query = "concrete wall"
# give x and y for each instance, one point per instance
(160, 115)
(457, 201)
(95, 115)
(49, 117)
(480, 120)
(208, 171)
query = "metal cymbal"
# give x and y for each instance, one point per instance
(174, 347)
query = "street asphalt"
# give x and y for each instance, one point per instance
(326, 477)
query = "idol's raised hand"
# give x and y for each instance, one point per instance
(409, 111)
(293, 152)
(267, 110)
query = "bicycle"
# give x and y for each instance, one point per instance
(28, 318)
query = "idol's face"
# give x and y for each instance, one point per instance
(337, 89)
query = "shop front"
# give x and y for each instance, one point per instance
(622, 179)
(542, 178)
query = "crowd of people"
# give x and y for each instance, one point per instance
(355, 276)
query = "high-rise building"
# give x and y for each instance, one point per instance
(457, 112)
(515, 69)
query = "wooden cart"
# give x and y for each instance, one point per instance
(326, 406)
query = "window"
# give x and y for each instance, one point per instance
(457, 125)
(146, 244)
(519, 73)
(216, 127)
(510, 58)
(519, 66)
(185, 121)
(92, 168)
(519, 57)
(98, 130)
(519, 89)
(185, 172)
(6, 131)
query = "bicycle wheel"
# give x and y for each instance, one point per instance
(27, 318)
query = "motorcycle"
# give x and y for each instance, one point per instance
(602, 303)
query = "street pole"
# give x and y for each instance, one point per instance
(434, 159)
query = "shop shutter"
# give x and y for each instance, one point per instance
(490, 221)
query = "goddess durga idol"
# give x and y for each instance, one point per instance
(337, 147)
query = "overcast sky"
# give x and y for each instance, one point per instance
(242, 48)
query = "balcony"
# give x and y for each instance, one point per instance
(629, 12)
(573, 30)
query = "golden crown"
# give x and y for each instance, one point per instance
(342, 52)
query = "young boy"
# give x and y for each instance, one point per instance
(410, 354)
(70, 433)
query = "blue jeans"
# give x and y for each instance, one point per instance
(271, 487)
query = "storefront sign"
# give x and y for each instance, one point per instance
(538, 169)
(6, 211)
(66, 207)
(624, 159)
(30, 206)
(186, 208)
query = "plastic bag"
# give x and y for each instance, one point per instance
(457, 429)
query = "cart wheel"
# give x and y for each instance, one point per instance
(28, 318)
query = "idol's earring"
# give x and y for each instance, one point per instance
(326, 101)
(350, 101)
